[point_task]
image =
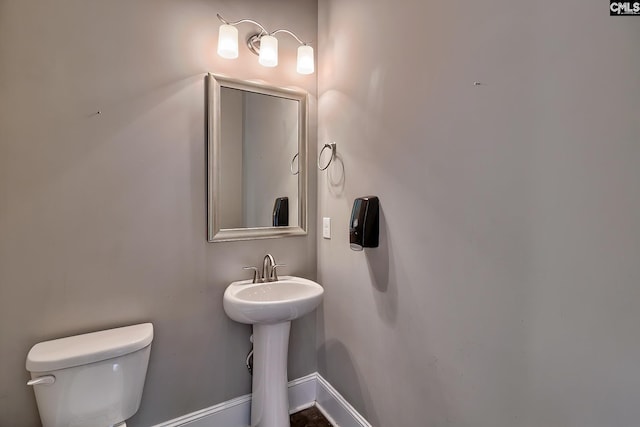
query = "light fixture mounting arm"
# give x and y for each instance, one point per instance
(253, 42)
(234, 23)
(291, 34)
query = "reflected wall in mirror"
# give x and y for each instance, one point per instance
(257, 141)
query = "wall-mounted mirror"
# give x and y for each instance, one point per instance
(257, 160)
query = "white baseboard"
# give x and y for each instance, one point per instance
(304, 393)
(338, 411)
(232, 413)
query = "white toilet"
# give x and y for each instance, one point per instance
(91, 380)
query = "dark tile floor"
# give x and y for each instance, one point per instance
(309, 418)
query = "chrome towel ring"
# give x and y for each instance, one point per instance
(332, 146)
(291, 166)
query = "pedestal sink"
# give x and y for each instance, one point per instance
(270, 307)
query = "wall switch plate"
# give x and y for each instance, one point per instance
(326, 227)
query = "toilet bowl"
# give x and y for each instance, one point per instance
(91, 380)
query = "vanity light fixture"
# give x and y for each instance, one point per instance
(264, 44)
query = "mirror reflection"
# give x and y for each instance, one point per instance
(259, 140)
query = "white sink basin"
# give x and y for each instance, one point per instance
(271, 302)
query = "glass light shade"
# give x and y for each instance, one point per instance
(305, 60)
(268, 51)
(228, 41)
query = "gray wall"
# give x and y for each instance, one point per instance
(505, 290)
(103, 217)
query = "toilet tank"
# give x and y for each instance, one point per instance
(98, 377)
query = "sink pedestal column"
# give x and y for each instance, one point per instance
(270, 401)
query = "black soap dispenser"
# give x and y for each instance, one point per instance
(281, 212)
(364, 225)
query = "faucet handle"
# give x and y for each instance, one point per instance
(274, 273)
(255, 272)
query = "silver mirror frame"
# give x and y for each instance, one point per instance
(215, 232)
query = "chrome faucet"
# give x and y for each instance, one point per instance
(269, 273)
(267, 268)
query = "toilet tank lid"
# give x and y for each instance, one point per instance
(88, 348)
